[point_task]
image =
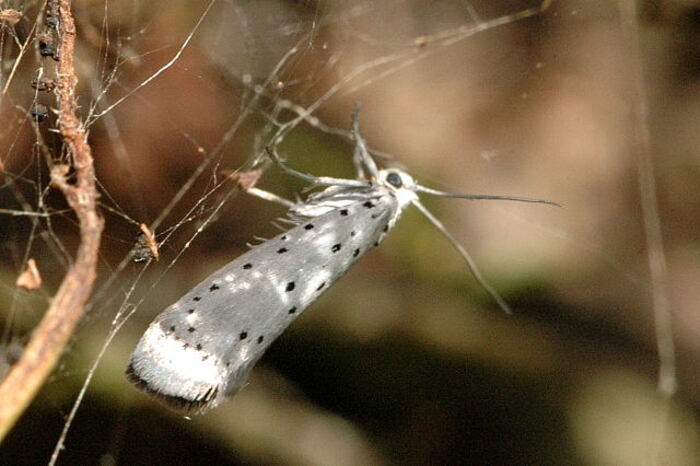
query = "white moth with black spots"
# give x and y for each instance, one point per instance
(201, 349)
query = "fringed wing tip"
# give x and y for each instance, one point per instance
(181, 404)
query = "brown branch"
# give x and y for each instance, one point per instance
(50, 337)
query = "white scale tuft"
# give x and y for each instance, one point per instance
(202, 348)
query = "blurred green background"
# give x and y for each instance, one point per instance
(405, 360)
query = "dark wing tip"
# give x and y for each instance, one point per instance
(181, 404)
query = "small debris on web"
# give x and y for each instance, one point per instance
(51, 14)
(48, 50)
(246, 180)
(47, 46)
(44, 39)
(146, 247)
(39, 112)
(44, 84)
(30, 279)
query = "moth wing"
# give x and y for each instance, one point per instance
(202, 348)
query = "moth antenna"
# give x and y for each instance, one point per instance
(474, 197)
(465, 255)
(361, 154)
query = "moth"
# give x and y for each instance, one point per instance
(202, 348)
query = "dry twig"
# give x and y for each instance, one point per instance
(50, 337)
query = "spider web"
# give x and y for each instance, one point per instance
(500, 97)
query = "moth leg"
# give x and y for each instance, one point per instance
(357, 161)
(268, 196)
(315, 180)
(361, 154)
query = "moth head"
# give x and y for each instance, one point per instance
(396, 179)
(401, 183)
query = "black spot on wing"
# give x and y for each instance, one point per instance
(248, 266)
(290, 286)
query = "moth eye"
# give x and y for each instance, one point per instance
(394, 179)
